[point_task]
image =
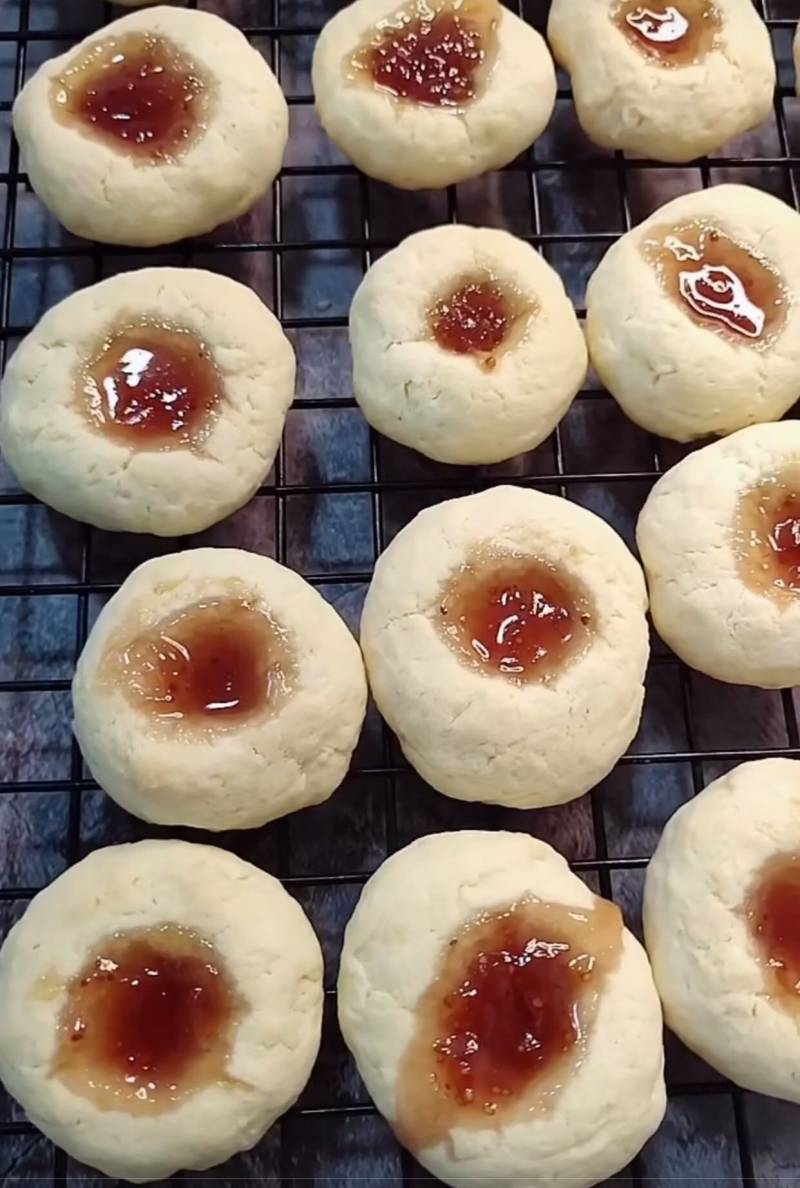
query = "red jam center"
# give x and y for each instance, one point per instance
(217, 663)
(517, 617)
(784, 540)
(678, 34)
(720, 284)
(772, 910)
(768, 538)
(507, 1015)
(137, 93)
(474, 318)
(152, 387)
(433, 53)
(147, 1021)
(479, 317)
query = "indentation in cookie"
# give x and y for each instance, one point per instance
(433, 52)
(515, 617)
(720, 283)
(148, 1021)
(772, 911)
(151, 385)
(680, 34)
(137, 93)
(215, 664)
(480, 316)
(767, 537)
(507, 1016)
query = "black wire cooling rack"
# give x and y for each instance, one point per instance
(329, 518)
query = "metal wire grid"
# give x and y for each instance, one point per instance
(531, 165)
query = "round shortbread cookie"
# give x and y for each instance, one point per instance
(220, 690)
(506, 645)
(151, 402)
(670, 81)
(517, 1109)
(721, 911)
(162, 1006)
(718, 538)
(693, 317)
(431, 119)
(162, 125)
(465, 345)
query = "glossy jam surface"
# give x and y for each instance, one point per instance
(515, 617)
(772, 910)
(671, 35)
(480, 317)
(720, 284)
(507, 1016)
(767, 537)
(217, 663)
(138, 93)
(151, 386)
(148, 1021)
(433, 52)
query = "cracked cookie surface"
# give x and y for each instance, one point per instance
(218, 689)
(475, 730)
(151, 402)
(78, 928)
